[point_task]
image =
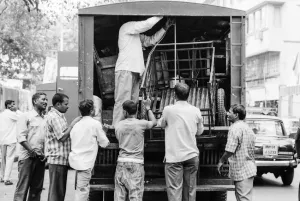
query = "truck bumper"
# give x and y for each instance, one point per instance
(291, 163)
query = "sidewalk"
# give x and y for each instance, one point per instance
(7, 192)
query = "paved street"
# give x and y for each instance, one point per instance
(267, 188)
(7, 192)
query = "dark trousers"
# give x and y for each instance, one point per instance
(181, 180)
(31, 177)
(58, 175)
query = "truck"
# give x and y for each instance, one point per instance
(204, 49)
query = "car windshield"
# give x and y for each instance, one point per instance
(266, 127)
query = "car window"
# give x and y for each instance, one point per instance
(266, 127)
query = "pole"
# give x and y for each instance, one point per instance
(264, 69)
(175, 51)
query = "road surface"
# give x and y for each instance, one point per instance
(267, 188)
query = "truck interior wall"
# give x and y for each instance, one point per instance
(217, 29)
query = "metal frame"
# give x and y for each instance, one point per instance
(85, 58)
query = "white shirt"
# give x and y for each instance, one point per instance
(131, 41)
(85, 137)
(31, 128)
(8, 127)
(181, 122)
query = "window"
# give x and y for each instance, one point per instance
(247, 25)
(257, 20)
(266, 127)
(257, 23)
(263, 17)
(251, 23)
(68, 73)
(277, 17)
(266, 64)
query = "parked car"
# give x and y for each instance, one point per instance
(274, 150)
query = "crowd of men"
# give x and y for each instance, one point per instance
(47, 137)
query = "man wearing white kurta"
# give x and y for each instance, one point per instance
(130, 64)
(85, 136)
(8, 140)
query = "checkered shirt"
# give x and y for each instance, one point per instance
(241, 142)
(57, 152)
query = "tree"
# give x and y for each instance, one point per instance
(30, 29)
(23, 39)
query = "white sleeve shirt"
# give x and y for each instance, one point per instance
(130, 44)
(181, 122)
(8, 127)
(85, 136)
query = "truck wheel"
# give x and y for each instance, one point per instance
(221, 107)
(219, 196)
(287, 176)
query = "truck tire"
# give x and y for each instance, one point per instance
(221, 107)
(287, 176)
(219, 196)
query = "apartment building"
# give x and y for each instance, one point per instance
(272, 49)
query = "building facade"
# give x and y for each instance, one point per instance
(272, 50)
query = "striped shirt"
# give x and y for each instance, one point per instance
(57, 152)
(241, 142)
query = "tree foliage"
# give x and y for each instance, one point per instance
(31, 29)
(23, 38)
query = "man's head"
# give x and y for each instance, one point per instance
(39, 101)
(182, 91)
(236, 112)
(86, 108)
(10, 104)
(129, 107)
(60, 102)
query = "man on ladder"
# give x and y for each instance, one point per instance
(130, 64)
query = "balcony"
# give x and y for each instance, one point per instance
(263, 41)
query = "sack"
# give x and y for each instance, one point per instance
(98, 108)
